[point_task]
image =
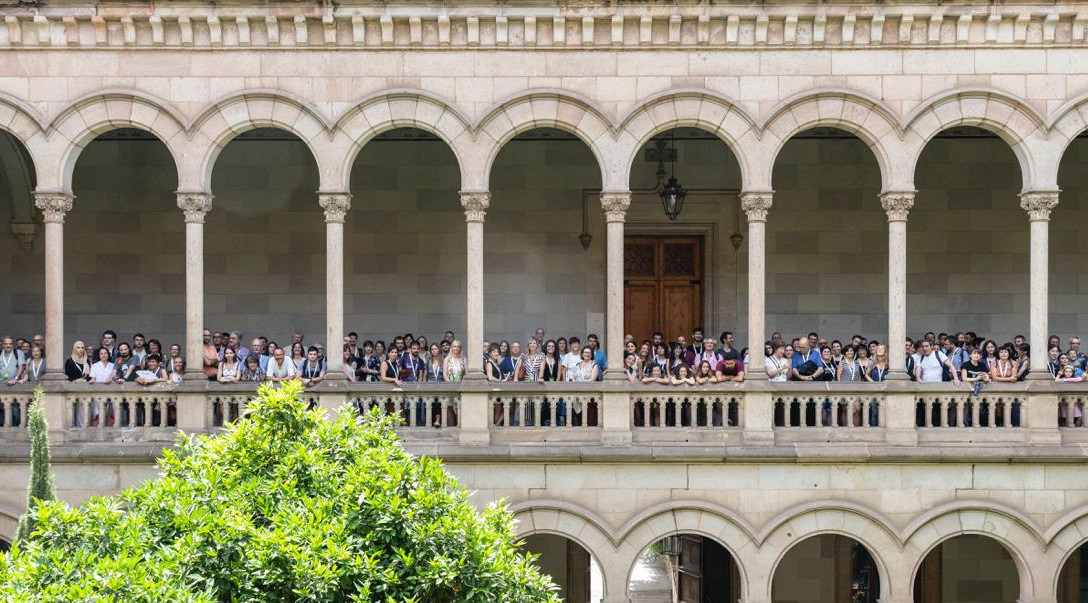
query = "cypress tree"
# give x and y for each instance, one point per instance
(41, 478)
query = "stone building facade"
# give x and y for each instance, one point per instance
(875, 168)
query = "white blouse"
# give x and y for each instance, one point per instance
(102, 373)
(775, 363)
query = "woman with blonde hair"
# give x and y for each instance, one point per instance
(78, 367)
(454, 364)
(529, 368)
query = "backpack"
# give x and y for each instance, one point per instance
(946, 373)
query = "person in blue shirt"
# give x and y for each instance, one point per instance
(599, 358)
(256, 348)
(804, 353)
(510, 364)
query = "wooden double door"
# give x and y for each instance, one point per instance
(662, 285)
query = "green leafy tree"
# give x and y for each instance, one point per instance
(284, 506)
(41, 477)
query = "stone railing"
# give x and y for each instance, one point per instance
(899, 418)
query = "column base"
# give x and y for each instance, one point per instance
(1039, 376)
(894, 375)
(474, 376)
(191, 375)
(337, 376)
(54, 376)
(615, 376)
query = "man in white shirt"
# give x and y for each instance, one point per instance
(572, 358)
(280, 368)
(12, 362)
(931, 364)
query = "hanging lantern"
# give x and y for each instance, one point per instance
(672, 198)
(670, 546)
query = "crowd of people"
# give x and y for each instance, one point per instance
(964, 356)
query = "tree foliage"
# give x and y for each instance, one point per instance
(284, 506)
(41, 476)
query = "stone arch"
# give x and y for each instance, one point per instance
(693, 108)
(233, 115)
(569, 521)
(1068, 122)
(9, 522)
(393, 109)
(867, 118)
(539, 109)
(23, 122)
(719, 524)
(1012, 120)
(85, 119)
(1011, 529)
(1065, 535)
(851, 520)
(22, 132)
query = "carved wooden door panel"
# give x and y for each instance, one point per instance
(663, 285)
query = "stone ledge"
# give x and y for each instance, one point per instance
(532, 27)
(144, 452)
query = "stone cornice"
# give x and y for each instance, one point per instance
(491, 25)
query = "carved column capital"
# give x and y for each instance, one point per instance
(1038, 204)
(756, 204)
(53, 205)
(475, 204)
(897, 204)
(194, 205)
(615, 205)
(336, 205)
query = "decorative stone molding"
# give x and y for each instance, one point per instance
(53, 205)
(195, 206)
(756, 205)
(207, 25)
(336, 205)
(615, 205)
(897, 204)
(475, 204)
(1038, 204)
(25, 232)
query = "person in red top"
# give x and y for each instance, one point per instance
(730, 369)
(211, 357)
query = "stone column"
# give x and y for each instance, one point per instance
(336, 206)
(615, 206)
(194, 205)
(897, 205)
(756, 205)
(53, 206)
(1038, 204)
(475, 204)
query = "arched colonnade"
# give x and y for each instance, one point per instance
(54, 144)
(1039, 553)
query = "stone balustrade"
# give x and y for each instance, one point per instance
(755, 419)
